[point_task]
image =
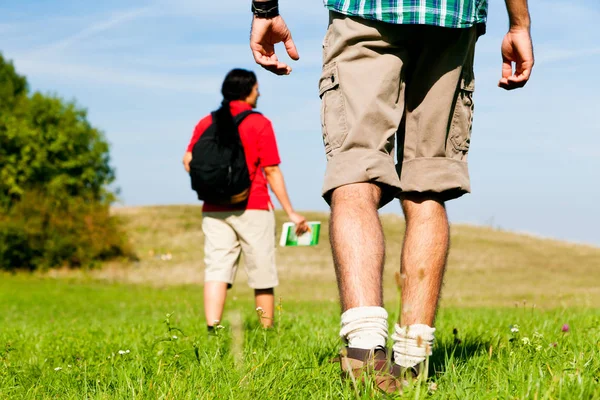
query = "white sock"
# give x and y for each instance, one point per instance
(365, 327)
(412, 344)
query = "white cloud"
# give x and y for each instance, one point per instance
(184, 57)
(548, 54)
(106, 75)
(213, 11)
(114, 20)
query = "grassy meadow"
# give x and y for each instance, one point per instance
(520, 319)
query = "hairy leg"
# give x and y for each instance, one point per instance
(358, 244)
(424, 257)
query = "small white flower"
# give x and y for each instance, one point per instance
(57, 368)
(525, 340)
(219, 327)
(538, 348)
(175, 337)
(259, 309)
(123, 352)
(514, 329)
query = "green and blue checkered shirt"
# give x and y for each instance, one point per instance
(445, 13)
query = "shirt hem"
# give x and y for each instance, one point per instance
(408, 19)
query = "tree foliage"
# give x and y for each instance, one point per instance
(55, 178)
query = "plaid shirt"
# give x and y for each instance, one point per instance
(446, 13)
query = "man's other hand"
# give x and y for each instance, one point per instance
(517, 48)
(265, 34)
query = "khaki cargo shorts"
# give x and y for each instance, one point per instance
(227, 235)
(383, 83)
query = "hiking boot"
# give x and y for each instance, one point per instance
(404, 374)
(358, 363)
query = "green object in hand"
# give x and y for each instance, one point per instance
(310, 238)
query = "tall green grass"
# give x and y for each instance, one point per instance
(72, 340)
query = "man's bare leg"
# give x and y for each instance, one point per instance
(265, 299)
(358, 245)
(358, 249)
(424, 256)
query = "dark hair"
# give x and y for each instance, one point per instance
(237, 85)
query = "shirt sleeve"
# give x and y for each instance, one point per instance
(198, 131)
(268, 153)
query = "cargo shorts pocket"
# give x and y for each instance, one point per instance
(462, 120)
(333, 111)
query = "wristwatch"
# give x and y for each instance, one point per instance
(265, 9)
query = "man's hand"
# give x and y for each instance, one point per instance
(517, 48)
(187, 158)
(265, 34)
(300, 221)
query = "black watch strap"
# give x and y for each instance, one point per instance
(265, 9)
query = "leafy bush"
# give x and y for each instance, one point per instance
(40, 232)
(54, 182)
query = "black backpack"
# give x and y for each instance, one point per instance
(218, 171)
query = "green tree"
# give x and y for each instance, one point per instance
(13, 87)
(54, 181)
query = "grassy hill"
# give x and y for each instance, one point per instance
(136, 331)
(487, 267)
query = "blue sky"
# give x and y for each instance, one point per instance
(147, 71)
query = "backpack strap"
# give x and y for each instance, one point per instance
(241, 116)
(238, 120)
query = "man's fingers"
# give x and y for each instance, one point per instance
(271, 63)
(510, 80)
(515, 81)
(279, 68)
(516, 84)
(507, 69)
(508, 84)
(507, 72)
(520, 75)
(263, 59)
(290, 47)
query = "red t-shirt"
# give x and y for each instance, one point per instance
(260, 148)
